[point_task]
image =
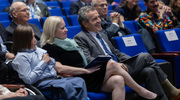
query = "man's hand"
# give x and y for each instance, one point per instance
(115, 17)
(123, 66)
(167, 10)
(10, 56)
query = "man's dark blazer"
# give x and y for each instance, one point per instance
(112, 29)
(92, 49)
(13, 25)
(75, 6)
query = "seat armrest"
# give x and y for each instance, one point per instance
(13, 86)
(178, 52)
(165, 54)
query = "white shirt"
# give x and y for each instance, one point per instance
(97, 40)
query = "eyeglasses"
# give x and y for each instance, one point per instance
(23, 10)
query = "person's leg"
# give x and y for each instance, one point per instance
(115, 84)
(146, 60)
(114, 68)
(147, 40)
(3, 73)
(149, 77)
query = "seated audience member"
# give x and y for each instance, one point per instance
(111, 78)
(20, 94)
(20, 15)
(175, 6)
(4, 55)
(129, 10)
(37, 10)
(35, 67)
(93, 43)
(114, 27)
(154, 19)
(76, 5)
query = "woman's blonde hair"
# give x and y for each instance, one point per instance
(49, 29)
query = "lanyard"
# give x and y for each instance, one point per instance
(31, 9)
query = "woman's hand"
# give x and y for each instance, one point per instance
(10, 56)
(46, 58)
(92, 69)
(22, 92)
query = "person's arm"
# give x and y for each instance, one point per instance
(25, 71)
(70, 70)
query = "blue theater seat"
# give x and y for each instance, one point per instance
(132, 25)
(170, 43)
(72, 31)
(73, 20)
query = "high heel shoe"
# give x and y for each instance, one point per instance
(158, 97)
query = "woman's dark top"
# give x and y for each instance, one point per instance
(128, 15)
(73, 58)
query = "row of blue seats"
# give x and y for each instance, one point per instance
(169, 41)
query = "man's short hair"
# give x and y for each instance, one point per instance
(93, 3)
(82, 14)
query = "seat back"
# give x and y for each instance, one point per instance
(72, 31)
(56, 12)
(73, 20)
(142, 6)
(52, 4)
(5, 23)
(4, 16)
(130, 44)
(36, 22)
(66, 4)
(42, 20)
(169, 40)
(132, 25)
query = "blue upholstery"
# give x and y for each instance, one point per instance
(132, 25)
(5, 23)
(36, 22)
(169, 45)
(4, 2)
(4, 16)
(67, 11)
(72, 31)
(65, 4)
(118, 1)
(42, 20)
(132, 50)
(2, 7)
(142, 6)
(52, 4)
(73, 20)
(56, 12)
